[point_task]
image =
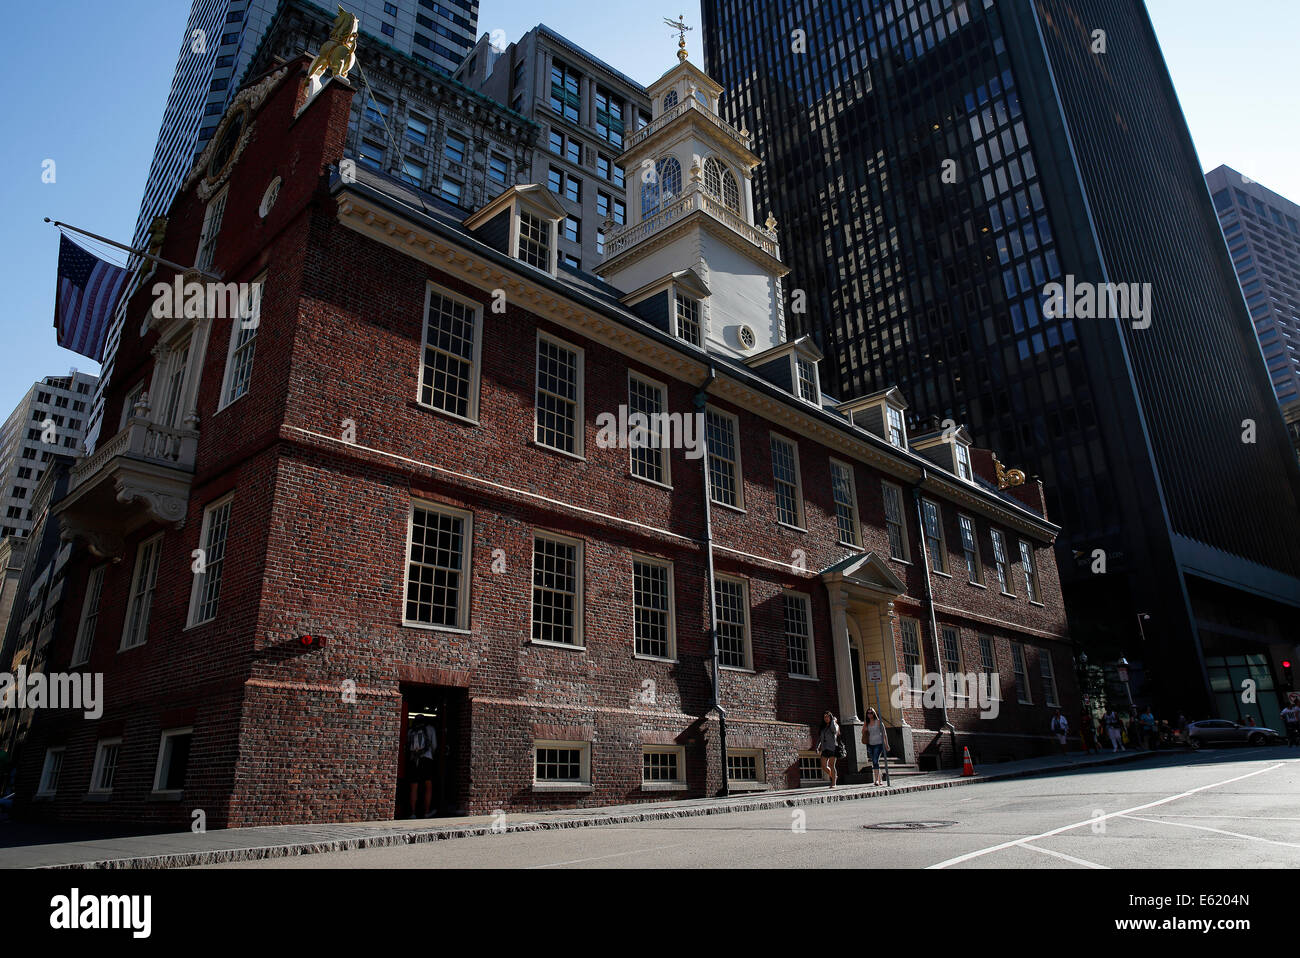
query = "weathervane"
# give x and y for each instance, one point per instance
(680, 26)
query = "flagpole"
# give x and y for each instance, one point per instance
(133, 251)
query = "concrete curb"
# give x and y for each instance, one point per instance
(634, 815)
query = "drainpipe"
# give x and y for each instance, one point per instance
(701, 400)
(929, 602)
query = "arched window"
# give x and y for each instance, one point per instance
(662, 188)
(670, 100)
(720, 183)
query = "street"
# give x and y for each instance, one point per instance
(1232, 808)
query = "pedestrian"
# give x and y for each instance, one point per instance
(421, 747)
(1115, 730)
(876, 740)
(828, 743)
(1180, 728)
(1250, 720)
(1147, 721)
(1291, 716)
(1061, 729)
(1088, 731)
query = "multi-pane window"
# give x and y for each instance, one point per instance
(243, 346)
(564, 91)
(732, 609)
(934, 536)
(1021, 673)
(798, 634)
(559, 396)
(573, 228)
(745, 765)
(970, 548)
(454, 148)
(652, 608)
(573, 151)
(897, 433)
(660, 188)
(720, 183)
(609, 117)
(894, 522)
(807, 373)
(910, 634)
(412, 172)
(212, 217)
(451, 190)
(534, 240)
(377, 110)
(1000, 561)
(50, 771)
(437, 592)
(371, 155)
(661, 765)
(557, 590)
(498, 168)
(211, 562)
(556, 143)
(963, 461)
(1030, 570)
(688, 320)
(143, 581)
(105, 768)
(89, 616)
(648, 443)
(619, 212)
(1049, 677)
(989, 663)
(950, 645)
(573, 189)
(561, 762)
(417, 130)
(720, 432)
(846, 503)
(785, 481)
(450, 369)
(810, 767)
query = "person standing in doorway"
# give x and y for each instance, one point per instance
(1061, 729)
(421, 747)
(828, 744)
(877, 743)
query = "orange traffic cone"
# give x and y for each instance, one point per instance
(968, 767)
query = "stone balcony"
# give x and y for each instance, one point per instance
(140, 477)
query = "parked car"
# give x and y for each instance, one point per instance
(1224, 732)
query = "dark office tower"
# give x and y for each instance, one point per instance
(935, 167)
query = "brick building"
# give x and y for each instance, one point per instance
(406, 455)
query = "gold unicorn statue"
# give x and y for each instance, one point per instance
(339, 52)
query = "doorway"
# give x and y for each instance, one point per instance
(442, 785)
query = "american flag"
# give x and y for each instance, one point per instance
(88, 291)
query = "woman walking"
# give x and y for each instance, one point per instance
(1114, 730)
(828, 744)
(877, 743)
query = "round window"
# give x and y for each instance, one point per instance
(269, 197)
(747, 337)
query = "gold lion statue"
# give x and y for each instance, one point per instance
(339, 52)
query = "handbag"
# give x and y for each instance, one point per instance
(841, 750)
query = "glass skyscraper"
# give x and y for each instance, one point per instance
(940, 168)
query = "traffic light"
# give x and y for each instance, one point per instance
(1286, 674)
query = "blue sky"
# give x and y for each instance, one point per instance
(89, 83)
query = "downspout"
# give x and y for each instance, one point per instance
(929, 602)
(701, 400)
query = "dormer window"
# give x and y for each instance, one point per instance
(662, 187)
(720, 183)
(806, 374)
(897, 431)
(535, 240)
(689, 327)
(963, 462)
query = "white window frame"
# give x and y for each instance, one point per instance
(665, 441)
(813, 756)
(46, 789)
(942, 550)
(944, 631)
(1003, 566)
(796, 361)
(1030, 568)
(856, 516)
(164, 759)
(748, 665)
(579, 412)
(198, 586)
(996, 687)
(886, 489)
(739, 504)
(476, 370)
(800, 520)
(912, 693)
(810, 646)
(152, 573)
(677, 784)
(1020, 671)
(579, 584)
(760, 770)
(961, 459)
(890, 413)
(581, 784)
(678, 299)
(213, 215)
(466, 557)
(552, 254)
(672, 608)
(89, 621)
(974, 575)
(237, 326)
(98, 768)
(1051, 693)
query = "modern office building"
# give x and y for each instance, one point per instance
(411, 499)
(50, 420)
(1263, 234)
(220, 41)
(586, 110)
(935, 166)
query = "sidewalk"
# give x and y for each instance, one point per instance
(182, 849)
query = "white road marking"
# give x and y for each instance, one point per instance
(638, 851)
(1217, 831)
(1068, 858)
(1092, 821)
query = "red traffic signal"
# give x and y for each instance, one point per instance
(311, 641)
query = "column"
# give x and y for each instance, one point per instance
(843, 661)
(892, 669)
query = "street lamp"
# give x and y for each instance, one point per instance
(1142, 617)
(1123, 674)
